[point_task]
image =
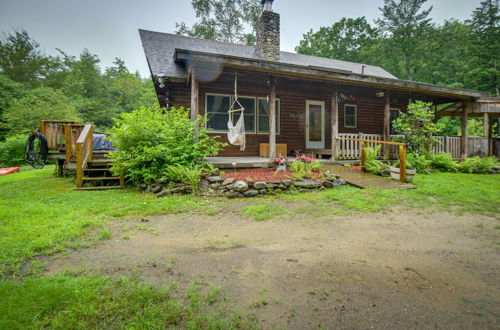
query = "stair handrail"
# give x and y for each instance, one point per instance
(84, 152)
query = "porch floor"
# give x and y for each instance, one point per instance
(365, 180)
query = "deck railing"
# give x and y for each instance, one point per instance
(364, 144)
(71, 133)
(54, 132)
(349, 148)
(83, 152)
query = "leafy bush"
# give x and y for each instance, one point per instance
(304, 167)
(12, 150)
(373, 165)
(443, 162)
(418, 162)
(477, 165)
(149, 143)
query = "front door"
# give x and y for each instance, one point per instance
(315, 125)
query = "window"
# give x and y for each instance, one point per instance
(263, 123)
(216, 109)
(249, 104)
(394, 116)
(256, 113)
(350, 115)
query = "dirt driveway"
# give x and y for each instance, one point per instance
(394, 270)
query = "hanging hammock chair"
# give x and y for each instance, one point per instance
(236, 132)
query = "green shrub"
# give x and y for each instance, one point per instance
(477, 165)
(148, 143)
(303, 169)
(12, 150)
(418, 162)
(443, 162)
(373, 165)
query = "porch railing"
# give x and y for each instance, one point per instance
(347, 148)
(71, 133)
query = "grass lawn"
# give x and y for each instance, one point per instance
(41, 214)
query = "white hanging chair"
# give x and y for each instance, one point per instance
(236, 132)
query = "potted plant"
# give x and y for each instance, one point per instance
(410, 171)
(415, 163)
(280, 163)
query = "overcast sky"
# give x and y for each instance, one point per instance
(108, 28)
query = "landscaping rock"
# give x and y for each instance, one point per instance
(204, 184)
(338, 182)
(240, 186)
(155, 188)
(306, 184)
(250, 183)
(215, 185)
(213, 179)
(234, 194)
(163, 193)
(228, 181)
(328, 184)
(287, 182)
(263, 191)
(278, 190)
(331, 178)
(251, 193)
(282, 187)
(260, 185)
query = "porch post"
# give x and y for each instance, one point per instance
(387, 122)
(194, 96)
(272, 120)
(463, 138)
(335, 123)
(490, 134)
(486, 125)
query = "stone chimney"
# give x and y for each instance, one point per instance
(268, 32)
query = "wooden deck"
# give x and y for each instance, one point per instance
(365, 180)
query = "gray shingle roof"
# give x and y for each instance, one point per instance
(160, 48)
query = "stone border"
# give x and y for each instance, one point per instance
(218, 186)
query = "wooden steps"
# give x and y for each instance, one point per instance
(97, 176)
(100, 178)
(99, 188)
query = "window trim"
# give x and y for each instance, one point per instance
(278, 122)
(355, 115)
(257, 115)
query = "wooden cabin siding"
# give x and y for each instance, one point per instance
(293, 94)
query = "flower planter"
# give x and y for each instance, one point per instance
(410, 174)
(281, 167)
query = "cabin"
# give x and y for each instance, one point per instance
(297, 103)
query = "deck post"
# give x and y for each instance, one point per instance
(363, 153)
(490, 134)
(387, 122)
(486, 125)
(272, 119)
(463, 137)
(335, 123)
(402, 163)
(194, 96)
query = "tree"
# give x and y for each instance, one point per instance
(42, 103)
(485, 25)
(10, 91)
(343, 40)
(405, 24)
(223, 20)
(22, 61)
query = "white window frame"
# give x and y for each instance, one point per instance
(206, 111)
(278, 116)
(355, 115)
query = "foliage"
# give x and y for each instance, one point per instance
(41, 214)
(188, 175)
(93, 302)
(10, 91)
(223, 20)
(148, 143)
(418, 162)
(372, 164)
(304, 167)
(343, 40)
(41, 103)
(477, 165)
(12, 150)
(417, 126)
(443, 162)
(280, 160)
